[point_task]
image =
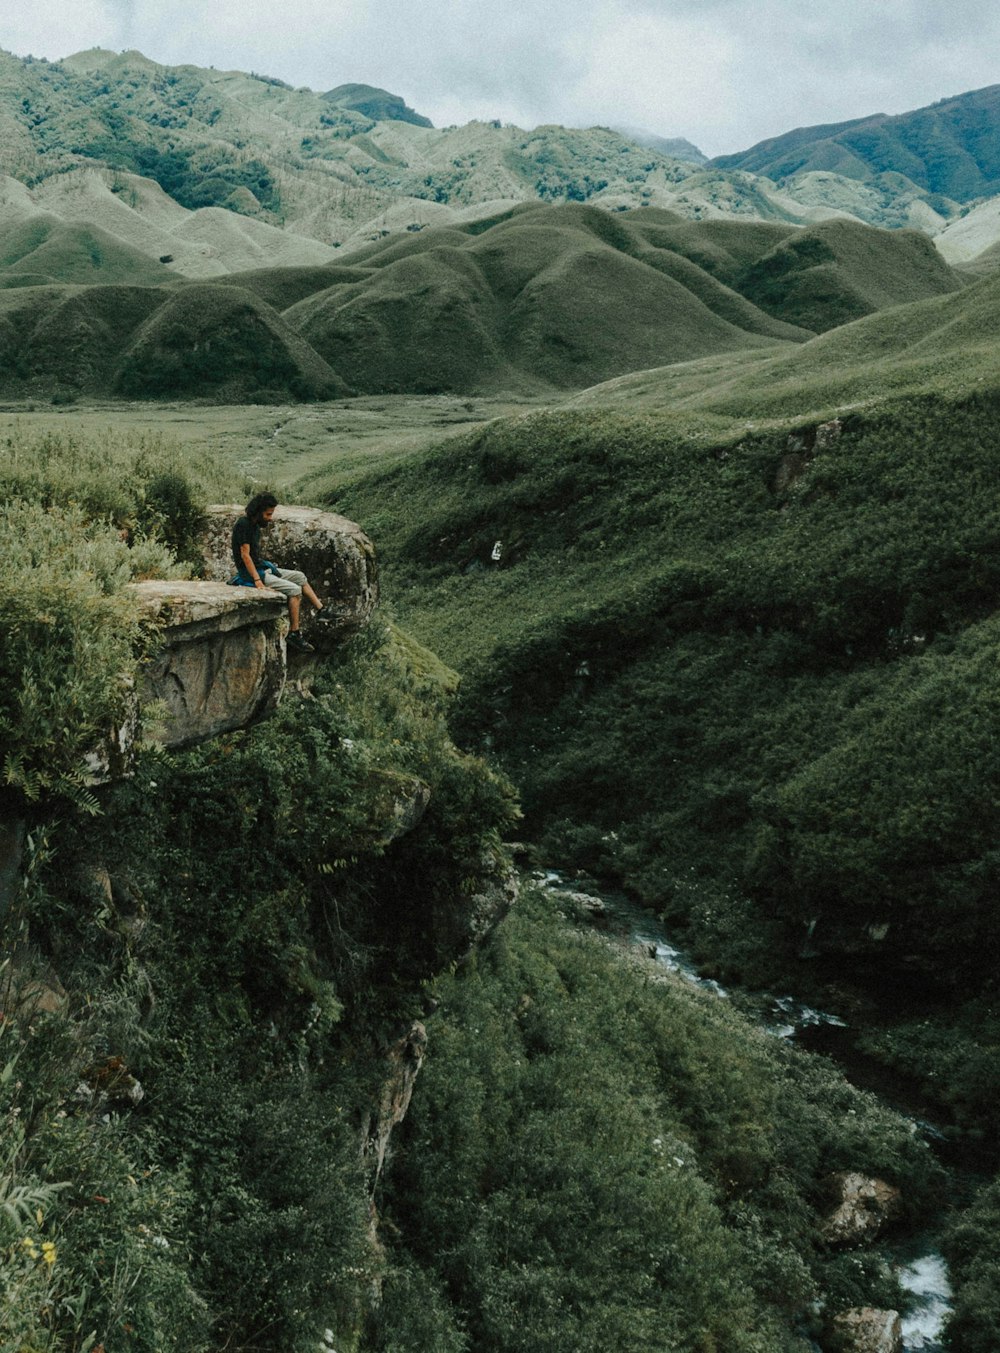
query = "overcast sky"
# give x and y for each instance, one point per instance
(723, 73)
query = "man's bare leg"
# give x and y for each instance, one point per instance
(293, 612)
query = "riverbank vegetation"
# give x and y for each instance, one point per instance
(599, 1157)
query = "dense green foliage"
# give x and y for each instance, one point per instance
(79, 521)
(740, 652)
(245, 968)
(183, 1129)
(173, 1179)
(205, 180)
(600, 1160)
(971, 1249)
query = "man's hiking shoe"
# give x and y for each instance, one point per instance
(296, 641)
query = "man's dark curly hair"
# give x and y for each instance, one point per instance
(259, 503)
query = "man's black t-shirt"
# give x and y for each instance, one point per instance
(246, 532)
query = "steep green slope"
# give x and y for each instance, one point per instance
(713, 643)
(830, 274)
(946, 344)
(197, 342)
(949, 148)
(573, 1106)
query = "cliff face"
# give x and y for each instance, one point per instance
(285, 848)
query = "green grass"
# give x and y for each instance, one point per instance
(757, 616)
(81, 254)
(538, 300)
(838, 271)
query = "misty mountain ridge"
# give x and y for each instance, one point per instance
(346, 166)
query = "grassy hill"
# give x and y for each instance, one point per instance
(45, 248)
(950, 148)
(200, 342)
(538, 297)
(547, 297)
(830, 274)
(944, 344)
(737, 662)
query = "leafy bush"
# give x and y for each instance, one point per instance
(79, 521)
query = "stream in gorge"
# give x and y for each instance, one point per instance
(916, 1261)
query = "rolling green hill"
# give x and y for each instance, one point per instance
(199, 342)
(943, 344)
(556, 297)
(45, 247)
(838, 271)
(537, 298)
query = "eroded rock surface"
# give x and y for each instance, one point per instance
(221, 665)
(867, 1330)
(865, 1207)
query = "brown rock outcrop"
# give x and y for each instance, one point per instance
(867, 1330)
(864, 1208)
(221, 665)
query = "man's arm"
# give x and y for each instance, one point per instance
(248, 564)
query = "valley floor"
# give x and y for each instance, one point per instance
(279, 443)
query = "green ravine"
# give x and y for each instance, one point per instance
(690, 547)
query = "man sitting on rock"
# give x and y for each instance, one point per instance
(254, 571)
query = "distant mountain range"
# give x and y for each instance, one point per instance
(345, 166)
(188, 232)
(950, 150)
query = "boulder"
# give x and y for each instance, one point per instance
(867, 1330)
(29, 988)
(487, 908)
(221, 662)
(334, 554)
(400, 802)
(864, 1208)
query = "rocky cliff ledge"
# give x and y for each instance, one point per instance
(334, 553)
(221, 665)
